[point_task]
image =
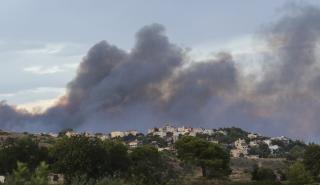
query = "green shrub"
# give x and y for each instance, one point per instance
(262, 174)
(298, 175)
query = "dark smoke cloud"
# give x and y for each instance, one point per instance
(11, 116)
(157, 82)
(191, 90)
(290, 88)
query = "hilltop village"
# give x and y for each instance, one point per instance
(185, 153)
(238, 142)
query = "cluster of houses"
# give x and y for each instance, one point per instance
(102, 136)
(176, 132)
(240, 148)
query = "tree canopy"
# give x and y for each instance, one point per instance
(311, 159)
(79, 155)
(148, 166)
(24, 150)
(213, 160)
(298, 174)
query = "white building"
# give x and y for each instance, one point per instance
(252, 136)
(208, 131)
(273, 148)
(178, 131)
(168, 128)
(198, 130)
(117, 134)
(222, 132)
(71, 133)
(103, 137)
(181, 129)
(133, 144)
(192, 133)
(53, 134)
(160, 134)
(281, 138)
(267, 141)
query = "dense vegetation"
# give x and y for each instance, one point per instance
(92, 161)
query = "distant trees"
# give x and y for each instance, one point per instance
(154, 140)
(290, 149)
(129, 138)
(148, 166)
(24, 150)
(213, 160)
(295, 153)
(232, 134)
(311, 159)
(236, 133)
(262, 150)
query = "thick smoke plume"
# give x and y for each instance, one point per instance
(158, 82)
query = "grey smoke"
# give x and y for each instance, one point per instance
(289, 88)
(157, 81)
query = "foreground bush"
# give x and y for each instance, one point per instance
(298, 175)
(263, 174)
(23, 176)
(23, 149)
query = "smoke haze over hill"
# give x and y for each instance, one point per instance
(157, 81)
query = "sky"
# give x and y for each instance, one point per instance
(42, 44)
